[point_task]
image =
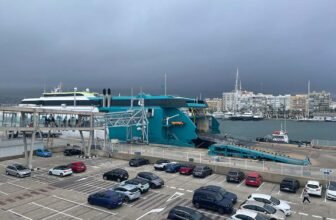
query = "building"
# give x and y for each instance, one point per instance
(298, 105)
(319, 102)
(215, 104)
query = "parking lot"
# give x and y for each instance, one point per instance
(42, 196)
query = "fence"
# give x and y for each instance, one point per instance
(198, 156)
(323, 143)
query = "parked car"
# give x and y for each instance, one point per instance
(246, 214)
(260, 207)
(331, 190)
(71, 152)
(77, 167)
(186, 213)
(63, 170)
(43, 153)
(272, 201)
(235, 175)
(108, 199)
(18, 170)
(142, 184)
(116, 175)
(289, 185)
(153, 180)
(211, 199)
(173, 167)
(186, 169)
(220, 190)
(202, 171)
(130, 192)
(314, 188)
(161, 164)
(253, 179)
(135, 162)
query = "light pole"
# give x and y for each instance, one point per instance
(75, 90)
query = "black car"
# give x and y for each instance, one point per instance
(153, 180)
(214, 198)
(289, 185)
(235, 176)
(185, 213)
(71, 152)
(202, 171)
(116, 174)
(135, 162)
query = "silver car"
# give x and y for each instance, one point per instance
(263, 208)
(18, 170)
(130, 192)
(142, 185)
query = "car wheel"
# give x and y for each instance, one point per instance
(126, 199)
(50, 173)
(18, 175)
(110, 206)
(221, 211)
(105, 177)
(7, 173)
(151, 185)
(61, 174)
(90, 202)
(197, 205)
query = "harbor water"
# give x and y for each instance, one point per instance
(299, 131)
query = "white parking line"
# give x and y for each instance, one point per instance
(189, 190)
(91, 207)
(81, 179)
(301, 193)
(301, 213)
(173, 187)
(22, 216)
(260, 186)
(331, 219)
(181, 189)
(54, 210)
(241, 183)
(18, 185)
(4, 193)
(316, 216)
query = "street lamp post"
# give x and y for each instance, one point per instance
(75, 90)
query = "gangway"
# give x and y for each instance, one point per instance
(28, 121)
(249, 152)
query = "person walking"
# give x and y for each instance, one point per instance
(305, 196)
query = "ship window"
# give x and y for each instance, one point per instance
(62, 94)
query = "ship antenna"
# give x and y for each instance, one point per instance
(165, 86)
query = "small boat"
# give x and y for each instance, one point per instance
(280, 136)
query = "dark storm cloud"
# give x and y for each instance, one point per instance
(278, 45)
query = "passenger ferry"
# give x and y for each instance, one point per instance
(172, 120)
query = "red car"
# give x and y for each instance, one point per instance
(253, 179)
(186, 169)
(77, 167)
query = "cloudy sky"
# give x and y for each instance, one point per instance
(278, 45)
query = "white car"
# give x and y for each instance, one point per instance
(161, 164)
(130, 192)
(331, 190)
(314, 188)
(263, 208)
(63, 170)
(270, 200)
(246, 214)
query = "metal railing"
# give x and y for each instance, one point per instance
(188, 155)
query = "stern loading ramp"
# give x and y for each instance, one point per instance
(249, 152)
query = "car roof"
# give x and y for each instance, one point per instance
(146, 173)
(261, 204)
(313, 182)
(183, 208)
(211, 187)
(108, 192)
(118, 170)
(260, 195)
(253, 174)
(127, 186)
(78, 162)
(332, 183)
(247, 212)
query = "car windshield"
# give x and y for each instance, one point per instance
(20, 167)
(218, 197)
(134, 190)
(275, 201)
(233, 173)
(270, 209)
(47, 151)
(251, 178)
(222, 191)
(312, 186)
(332, 186)
(260, 217)
(198, 168)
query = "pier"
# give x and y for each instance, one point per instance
(32, 121)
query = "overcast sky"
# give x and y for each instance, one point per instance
(277, 45)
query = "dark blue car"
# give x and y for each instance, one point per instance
(173, 167)
(43, 153)
(214, 198)
(108, 199)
